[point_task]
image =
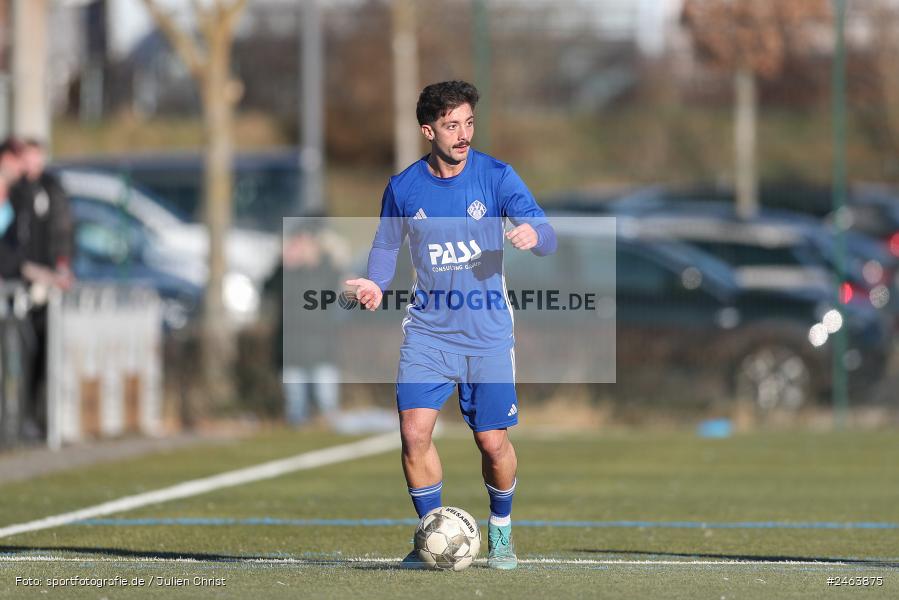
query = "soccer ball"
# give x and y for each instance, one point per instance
(448, 539)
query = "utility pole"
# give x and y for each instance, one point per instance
(5, 70)
(838, 107)
(745, 144)
(91, 99)
(31, 104)
(405, 84)
(481, 50)
(312, 95)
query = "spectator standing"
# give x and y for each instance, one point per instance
(44, 217)
(305, 342)
(44, 239)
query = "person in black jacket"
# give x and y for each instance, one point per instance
(44, 218)
(43, 233)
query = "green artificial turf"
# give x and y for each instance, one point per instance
(656, 479)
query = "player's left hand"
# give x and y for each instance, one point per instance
(523, 237)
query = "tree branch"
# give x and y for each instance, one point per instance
(192, 55)
(228, 13)
(235, 8)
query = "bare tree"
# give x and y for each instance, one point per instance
(208, 58)
(405, 84)
(874, 79)
(750, 39)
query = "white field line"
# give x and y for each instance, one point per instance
(275, 468)
(396, 560)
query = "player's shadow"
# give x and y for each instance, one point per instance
(385, 567)
(171, 555)
(871, 562)
(126, 553)
(397, 566)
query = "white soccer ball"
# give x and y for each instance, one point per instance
(447, 538)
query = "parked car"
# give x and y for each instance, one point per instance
(177, 246)
(266, 184)
(871, 209)
(680, 308)
(778, 249)
(114, 247)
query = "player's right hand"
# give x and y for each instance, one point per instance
(367, 292)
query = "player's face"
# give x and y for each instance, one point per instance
(450, 135)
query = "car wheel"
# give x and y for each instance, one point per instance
(774, 377)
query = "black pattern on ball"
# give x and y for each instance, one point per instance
(444, 539)
(435, 524)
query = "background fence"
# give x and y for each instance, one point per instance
(104, 363)
(104, 366)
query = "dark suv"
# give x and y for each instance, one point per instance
(776, 249)
(681, 310)
(871, 209)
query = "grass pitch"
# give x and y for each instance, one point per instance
(609, 514)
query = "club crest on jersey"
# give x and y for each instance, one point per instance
(477, 210)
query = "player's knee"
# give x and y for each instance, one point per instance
(416, 440)
(491, 443)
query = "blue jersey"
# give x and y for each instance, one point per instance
(455, 227)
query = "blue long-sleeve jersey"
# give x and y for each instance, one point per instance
(456, 236)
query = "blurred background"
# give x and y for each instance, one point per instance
(746, 148)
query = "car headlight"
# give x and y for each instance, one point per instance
(817, 335)
(832, 320)
(240, 294)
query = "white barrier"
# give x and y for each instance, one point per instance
(104, 364)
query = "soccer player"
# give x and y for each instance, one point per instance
(453, 204)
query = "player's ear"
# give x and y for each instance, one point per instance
(428, 132)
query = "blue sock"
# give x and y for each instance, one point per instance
(426, 498)
(501, 500)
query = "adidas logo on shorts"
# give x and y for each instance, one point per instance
(420, 214)
(512, 411)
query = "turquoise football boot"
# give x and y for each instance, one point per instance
(501, 553)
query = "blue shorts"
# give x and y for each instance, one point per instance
(427, 376)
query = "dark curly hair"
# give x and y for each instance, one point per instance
(12, 145)
(438, 99)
